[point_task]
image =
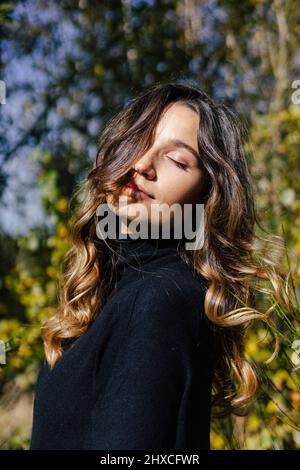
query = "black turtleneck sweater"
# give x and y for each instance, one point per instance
(141, 376)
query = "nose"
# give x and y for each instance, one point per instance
(144, 166)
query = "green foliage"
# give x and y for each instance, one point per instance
(115, 52)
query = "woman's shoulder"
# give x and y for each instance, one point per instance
(170, 299)
(176, 279)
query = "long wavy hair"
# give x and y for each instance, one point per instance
(234, 259)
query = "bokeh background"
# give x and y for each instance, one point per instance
(68, 66)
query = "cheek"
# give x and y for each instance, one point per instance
(182, 189)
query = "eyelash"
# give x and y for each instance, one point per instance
(183, 166)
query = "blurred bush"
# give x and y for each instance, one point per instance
(68, 67)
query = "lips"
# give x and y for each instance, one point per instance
(137, 187)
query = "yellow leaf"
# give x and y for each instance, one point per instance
(61, 204)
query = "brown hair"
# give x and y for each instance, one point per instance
(233, 258)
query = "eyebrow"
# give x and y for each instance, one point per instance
(180, 143)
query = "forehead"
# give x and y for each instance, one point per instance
(178, 121)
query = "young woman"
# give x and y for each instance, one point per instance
(146, 329)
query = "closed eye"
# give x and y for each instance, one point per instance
(179, 164)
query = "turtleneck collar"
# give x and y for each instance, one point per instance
(138, 252)
(127, 251)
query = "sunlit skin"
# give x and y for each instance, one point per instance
(169, 172)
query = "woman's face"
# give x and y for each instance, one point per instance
(170, 171)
